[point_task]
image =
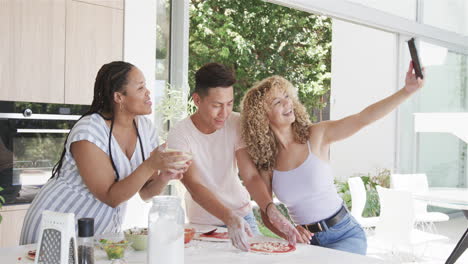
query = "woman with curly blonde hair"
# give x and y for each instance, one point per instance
(291, 154)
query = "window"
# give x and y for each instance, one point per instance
(442, 156)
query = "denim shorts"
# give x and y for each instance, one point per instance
(346, 235)
(252, 221)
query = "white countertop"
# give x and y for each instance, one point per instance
(200, 252)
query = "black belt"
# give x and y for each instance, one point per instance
(333, 220)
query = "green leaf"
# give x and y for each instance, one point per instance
(260, 39)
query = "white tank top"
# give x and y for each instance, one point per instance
(307, 191)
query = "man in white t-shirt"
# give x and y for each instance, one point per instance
(212, 134)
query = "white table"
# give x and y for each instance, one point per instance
(198, 252)
(454, 198)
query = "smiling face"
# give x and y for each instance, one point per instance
(214, 108)
(135, 99)
(279, 108)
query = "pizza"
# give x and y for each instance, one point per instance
(31, 254)
(271, 247)
(217, 235)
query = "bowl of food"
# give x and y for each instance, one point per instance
(138, 237)
(114, 245)
(188, 234)
(186, 155)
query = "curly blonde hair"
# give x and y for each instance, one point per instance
(261, 142)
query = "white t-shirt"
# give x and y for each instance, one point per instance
(214, 156)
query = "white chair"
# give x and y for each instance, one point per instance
(395, 228)
(358, 202)
(418, 183)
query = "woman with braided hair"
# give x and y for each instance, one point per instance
(110, 154)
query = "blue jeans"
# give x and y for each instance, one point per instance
(347, 235)
(250, 219)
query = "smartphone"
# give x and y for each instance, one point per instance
(415, 58)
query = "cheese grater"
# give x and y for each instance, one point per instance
(57, 241)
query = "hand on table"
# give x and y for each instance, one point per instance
(237, 229)
(305, 235)
(283, 225)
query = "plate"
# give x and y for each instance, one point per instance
(215, 237)
(200, 229)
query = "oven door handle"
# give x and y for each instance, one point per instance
(39, 116)
(42, 131)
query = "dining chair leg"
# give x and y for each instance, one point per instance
(459, 248)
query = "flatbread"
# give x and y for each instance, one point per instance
(271, 248)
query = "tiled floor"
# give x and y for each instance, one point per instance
(430, 253)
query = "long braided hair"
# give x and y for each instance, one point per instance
(111, 78)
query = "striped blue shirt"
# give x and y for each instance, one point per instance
(68, 193)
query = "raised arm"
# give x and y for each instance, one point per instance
(346, 127)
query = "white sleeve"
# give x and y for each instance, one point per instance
(89, 131)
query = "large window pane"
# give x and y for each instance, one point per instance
(163, 53)
(442, 156)
(163, 38)
(448, 14)
(162, 74)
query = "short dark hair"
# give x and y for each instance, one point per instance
(213, 75)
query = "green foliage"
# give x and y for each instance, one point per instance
(265, 231)
(372, 208)
(259, 39)
(173, 107)
(2, 201)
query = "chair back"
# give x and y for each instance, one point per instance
(412, 183)
(396, 217)
(358, 196)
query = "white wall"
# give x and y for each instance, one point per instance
(364, 70)
(140, 37)
(140, 50)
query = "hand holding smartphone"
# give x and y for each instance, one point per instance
(415, 58)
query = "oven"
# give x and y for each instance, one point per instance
(31, 141)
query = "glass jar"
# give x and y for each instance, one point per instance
(166, 231)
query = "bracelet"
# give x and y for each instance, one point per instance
(266, 208)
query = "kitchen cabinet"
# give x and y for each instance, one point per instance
(51, 50)
(119, 4)
(10, 227)
(94, 37)
(32, 50)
